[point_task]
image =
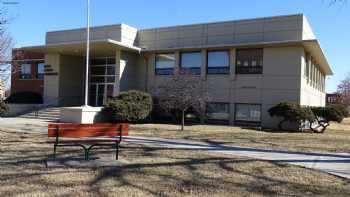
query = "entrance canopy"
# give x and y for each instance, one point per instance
(98, 48)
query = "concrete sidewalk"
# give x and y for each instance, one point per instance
(333, 163)
(24, 125)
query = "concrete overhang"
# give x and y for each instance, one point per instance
(311, 46)
(98, 48)
(314, 48)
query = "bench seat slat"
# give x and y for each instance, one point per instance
(87, 130)
(86, 141)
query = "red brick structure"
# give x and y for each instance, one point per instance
(332, 98)
(27, 72)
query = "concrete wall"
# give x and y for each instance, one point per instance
(280, 28)
(230, 32)
(308, 34)
(312, 93)
(51, 79)
(132, 72)
(71, 80)
(279, 82)
(128, 35)
(79, 35)
(64, 80)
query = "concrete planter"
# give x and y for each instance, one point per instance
(80, 115)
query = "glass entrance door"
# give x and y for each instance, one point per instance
(102, 80)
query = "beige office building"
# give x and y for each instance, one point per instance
(246, 66)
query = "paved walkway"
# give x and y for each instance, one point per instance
(333, 163)
(24, 125)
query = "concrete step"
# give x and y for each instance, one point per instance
(51, 114)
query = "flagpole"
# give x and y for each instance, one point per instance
(87, 54)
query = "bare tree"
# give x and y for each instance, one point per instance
(5, 48)
(182, 93)
(343, 91)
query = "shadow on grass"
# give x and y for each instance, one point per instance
(152, 171)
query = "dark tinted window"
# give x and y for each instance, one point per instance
(249, 61)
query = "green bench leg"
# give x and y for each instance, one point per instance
(116, 151)
(54, 151)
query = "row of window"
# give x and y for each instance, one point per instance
(26, 71)
(313, 74)
(243, 112)
(248, 61)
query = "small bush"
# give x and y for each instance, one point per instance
(130, 106)
(291, 112)
(340, 108)
(3, 107)
(324, 115)
(25, 98)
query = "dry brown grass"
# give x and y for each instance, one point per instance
(335, 139)
(154, 172)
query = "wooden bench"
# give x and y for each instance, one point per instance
(87, 136)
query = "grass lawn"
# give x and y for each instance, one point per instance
(335, 139)
(154, 172)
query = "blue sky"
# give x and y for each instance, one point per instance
(331, 24)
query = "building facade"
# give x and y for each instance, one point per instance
(245, 66)
(27, 73)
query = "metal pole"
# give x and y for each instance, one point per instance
(87, 54)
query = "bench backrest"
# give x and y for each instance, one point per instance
(72, 130)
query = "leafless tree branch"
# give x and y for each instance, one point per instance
(182, 93)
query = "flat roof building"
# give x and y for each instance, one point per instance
(246, 66)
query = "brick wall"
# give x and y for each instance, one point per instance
(33, 84)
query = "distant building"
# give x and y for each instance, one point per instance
(332, 98)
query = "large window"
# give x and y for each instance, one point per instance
(165, 64)
(102, 80)
(218, 62)
(191, 62)
(26, 71)
(40, 71)
(218, 112)
(249, 61)
(245, 113)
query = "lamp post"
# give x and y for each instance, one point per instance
(87, 55)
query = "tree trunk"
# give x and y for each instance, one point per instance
(182, 120)
(280, 125)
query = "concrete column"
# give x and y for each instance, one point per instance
(51, 79)
(151, 64)
(308, 56)
(117, 72)
(177, 63)
(317, 75)
(232, 64)
(232, 85)
(312, 78)
(204, 64)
